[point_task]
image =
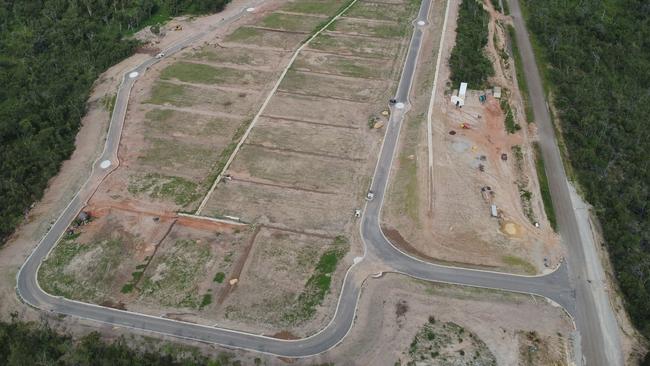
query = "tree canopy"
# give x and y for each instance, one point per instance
(597, 55)
(468, 61)
(51, 52)
(26, 343)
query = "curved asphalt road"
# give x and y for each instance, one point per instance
(554, 286)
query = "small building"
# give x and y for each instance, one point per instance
(496, 92)
(493, 211)
(459, 99)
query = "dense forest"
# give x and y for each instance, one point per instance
(598, 67)
(23, 343)
(468, 62)
(51, 52)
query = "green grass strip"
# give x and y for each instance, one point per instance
(543, 186)
(521, 79)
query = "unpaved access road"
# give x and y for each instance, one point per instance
(554, 286)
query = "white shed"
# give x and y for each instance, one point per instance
(459, 100)
(496, 92)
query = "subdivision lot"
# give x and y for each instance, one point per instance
(323, 213)
(342, 44)
(94, 261)
(364, 68)
(191, 265)
(323, 7)
(326, 140)
(203, 98)
(304, 23)
(277, 284)
(197, 73)
(266, 38)
(381, 10)
(330, 86)
(401, 320)
(237, 56)
(313, 109)
(378, 30)
(327, 174)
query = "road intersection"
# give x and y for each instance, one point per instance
(554, 286)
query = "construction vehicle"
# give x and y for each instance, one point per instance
(370, 195)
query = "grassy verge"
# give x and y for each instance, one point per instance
(318, 285)
(521, 79)
(180, 190)
(510, 124)
(543, 186)
(520, 263)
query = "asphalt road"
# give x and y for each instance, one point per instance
(594, 316)
(554, 286)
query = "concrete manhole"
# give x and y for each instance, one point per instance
(134, 74)
(399, 105)
(105, 164)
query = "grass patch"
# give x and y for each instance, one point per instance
(318, 285)
(164, 153)
(162, 93)
(510, 124)
(314, 7)
(243, 34)
(219, 277)
(87, 281)
(127, 288)
(521, 78)
(380, 30)
(378, 11)
(520, 263)
(289, 22)
(157, 186)
(525, 195)
(171, 277)
(205, 301)
(199, 73)
(468, 61)
(543, 186)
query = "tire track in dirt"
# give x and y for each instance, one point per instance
(155, 250)
(301, 152)
(235, 273)
(308, 121)
(285, 91)
(246, 181)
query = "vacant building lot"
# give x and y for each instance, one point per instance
(402, 321)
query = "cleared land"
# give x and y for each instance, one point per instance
(477, 162)
(300, 175)
(307, 163)
(402, 321)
